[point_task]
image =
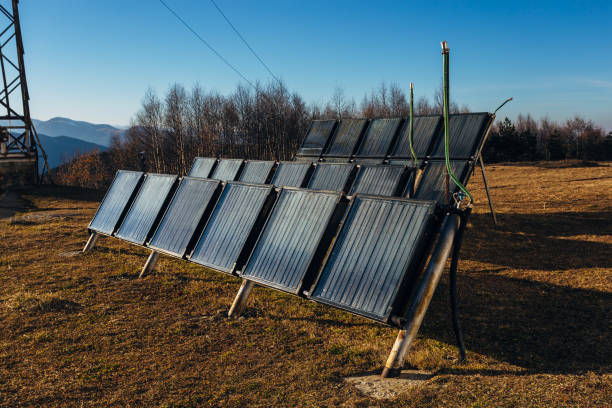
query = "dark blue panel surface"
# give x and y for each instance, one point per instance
(346, 137)
(202, 167)
(291, 174)
(290, 238)
(331, 176)
(256, 171)
(426, 129)
(466, 133)
(377, 249)
(378, 137)
(184, 214)
(223, 240)
(138, 223)
(380, 180)
(316, 139)
(433, 183)
(227, 169)
(116, 201)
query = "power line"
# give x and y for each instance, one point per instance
(207, 44)
(244, 41)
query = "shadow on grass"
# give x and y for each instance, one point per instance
(540, 241)
(542, 327)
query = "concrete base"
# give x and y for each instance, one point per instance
(17, 171)
(373, 385)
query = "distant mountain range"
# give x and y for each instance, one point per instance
(88, 132)
(62, 148)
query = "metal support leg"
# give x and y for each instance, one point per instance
(484, 178)
(150, 264)
(91, 242)
(241, 298)
(425, 292)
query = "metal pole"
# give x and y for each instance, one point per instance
(486, 184)
(241, 298)
(150, 264)
(425, 292)
(91, 242)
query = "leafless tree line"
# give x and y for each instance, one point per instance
(264, 123)
(269, 122)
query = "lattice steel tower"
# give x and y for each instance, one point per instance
(19, 144)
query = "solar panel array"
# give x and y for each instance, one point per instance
(300, 234)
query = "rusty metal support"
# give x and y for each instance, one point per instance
(486, 184)
(241, 298)
(150, 264)
(425, 292)
(91, 242)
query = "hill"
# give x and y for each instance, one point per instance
(88, 132)
(60, 148)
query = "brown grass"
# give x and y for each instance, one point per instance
(535, 297)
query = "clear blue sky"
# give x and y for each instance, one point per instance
(93, 60)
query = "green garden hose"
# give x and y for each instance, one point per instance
(445, 51)
(411, 130)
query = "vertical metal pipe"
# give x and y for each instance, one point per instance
(150, 264)
(425, 292)
(486, 184)
(91, 242)
(241, 298)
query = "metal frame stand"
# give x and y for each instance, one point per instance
(486, 184)
(241, 298)
(423, 297)
(91, 242)
(149, 266)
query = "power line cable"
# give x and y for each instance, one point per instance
(210, 47)
(244, 41)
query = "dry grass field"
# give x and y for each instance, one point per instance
(535, 297)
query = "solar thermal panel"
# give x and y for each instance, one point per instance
(116, 201)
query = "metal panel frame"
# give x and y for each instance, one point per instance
(125, 209)
(159, 214)
(307, 176)
(325, 145)
(392, 143)
(478, 143)
(348, 185)
(325, 240)
(430, 147)
(463, 177)
(402, 295)
(406, 178)
(268, 177)
(253, 235)
(332, 139)
(205, 215)
(216, 167)
(212, 169)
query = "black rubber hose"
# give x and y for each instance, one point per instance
(453, 284)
